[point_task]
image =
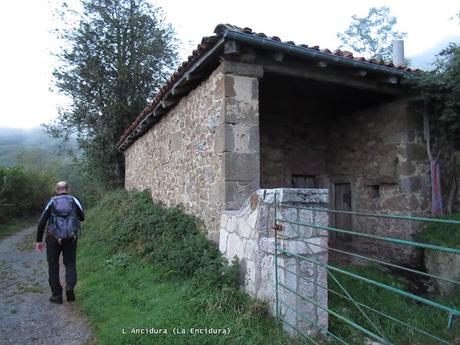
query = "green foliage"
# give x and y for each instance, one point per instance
(166, 237)
(23, 193)
(446, 235)
(142, 265)
(118, 261)
(113, 61)
(440, 90)
(372, 35)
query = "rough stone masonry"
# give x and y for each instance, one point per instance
(204, 153)
(301, 283)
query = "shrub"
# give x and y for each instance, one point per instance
(165, 237)
(22, 193)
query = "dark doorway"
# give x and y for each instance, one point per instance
(342, 202)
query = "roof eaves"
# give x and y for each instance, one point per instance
(338, 57)
(167, 96)
(164, 99)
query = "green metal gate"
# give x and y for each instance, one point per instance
(374, 299)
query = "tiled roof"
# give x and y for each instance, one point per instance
(207, 43)
(222, 28)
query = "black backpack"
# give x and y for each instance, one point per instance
(64, 222)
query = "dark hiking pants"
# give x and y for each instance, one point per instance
(69, 253)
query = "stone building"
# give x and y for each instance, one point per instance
(249, 112)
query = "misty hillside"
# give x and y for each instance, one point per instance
(18, 145)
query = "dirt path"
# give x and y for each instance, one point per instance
(26, 315)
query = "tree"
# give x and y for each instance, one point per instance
(372, 35)
(115, 57)
(439, 89)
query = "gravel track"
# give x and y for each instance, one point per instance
(26, 315)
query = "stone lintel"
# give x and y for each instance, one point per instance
(289, 195)
(241, 68)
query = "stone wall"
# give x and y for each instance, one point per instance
(333, 136)
(176, 158)
(381, 153)
(204, 153)
(249, 234)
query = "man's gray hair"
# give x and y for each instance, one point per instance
(62, 187)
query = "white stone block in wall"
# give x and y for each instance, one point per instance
(252, 219)
(244, 229)
(287, 278)
(322, 293)
(321, 218)
(243, 88)
(307, 268)
(266, 278)
(235, 246)
(305, 231)
(223, 241)
(307, 288)
(251, 249)
(223, 220)
(293, 246)
(317, 244)
(289, 230)
(267, 245)
(289, 214)
(232, 223)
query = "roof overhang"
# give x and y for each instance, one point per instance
(207, 56)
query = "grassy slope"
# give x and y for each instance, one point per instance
(424, 317)
(447, 235)
(123, 288)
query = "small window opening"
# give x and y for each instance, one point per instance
(374, 191)
(303, 181)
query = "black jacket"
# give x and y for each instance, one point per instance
(47, 213)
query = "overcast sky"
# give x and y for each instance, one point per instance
(25, 25)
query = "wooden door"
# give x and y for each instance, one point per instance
(342, 202)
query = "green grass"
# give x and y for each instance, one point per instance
(16, 225)
(446, 235)
(129, 280)
(416, 314)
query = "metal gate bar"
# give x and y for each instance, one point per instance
(450, 310)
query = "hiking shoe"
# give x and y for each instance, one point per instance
(56, 299)
(70, 295)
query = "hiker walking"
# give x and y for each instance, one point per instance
(61, 217)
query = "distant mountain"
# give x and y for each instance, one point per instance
(18, 143)
(425, 59)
